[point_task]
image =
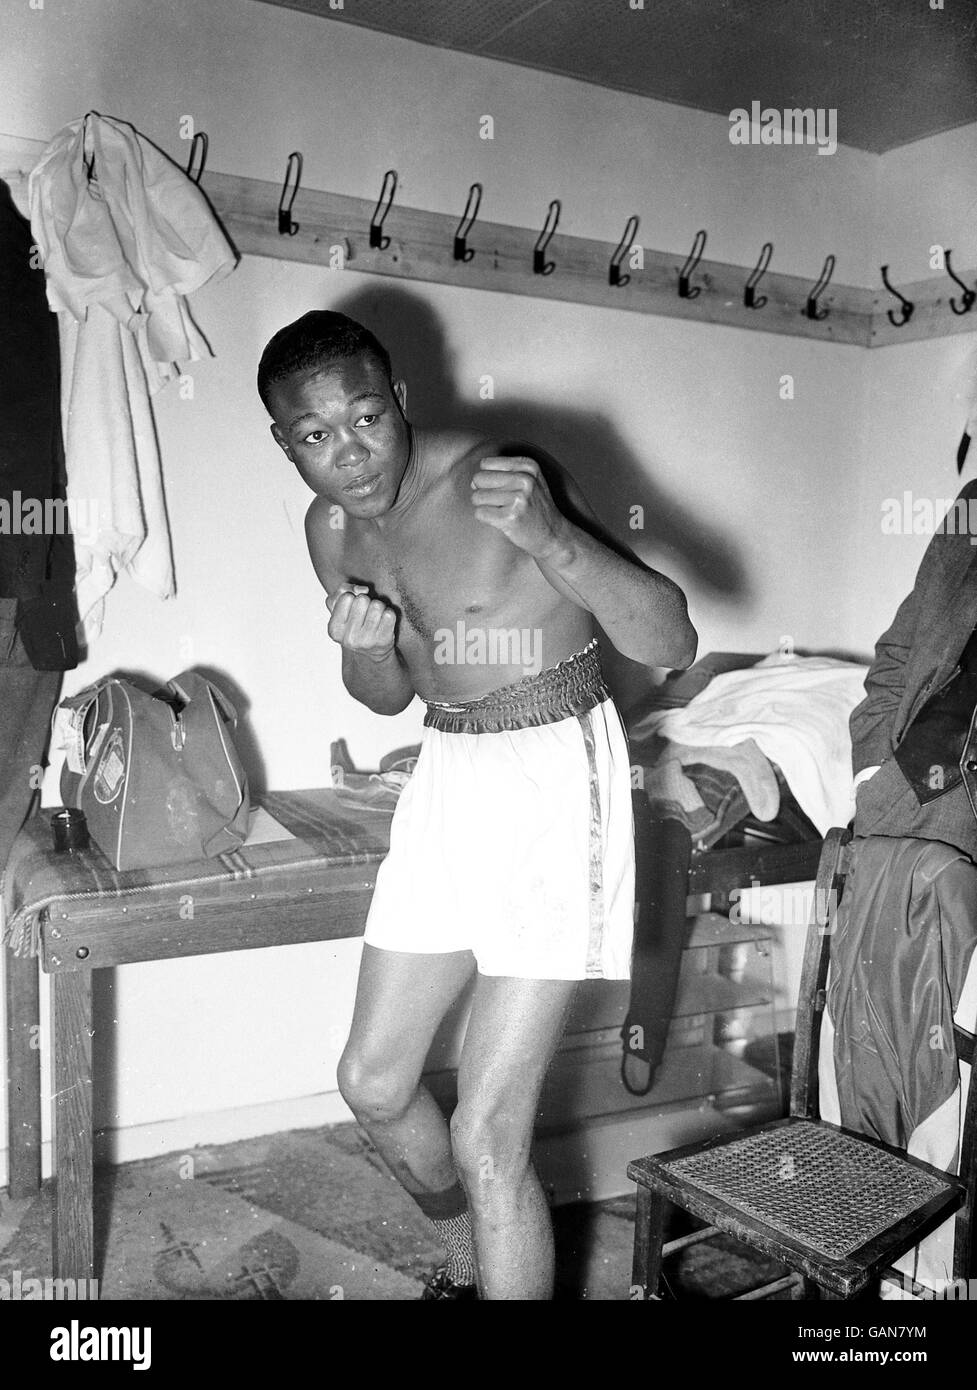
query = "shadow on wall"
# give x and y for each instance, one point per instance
(582, 439)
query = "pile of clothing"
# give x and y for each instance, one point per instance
(727, 753)
(732, 738)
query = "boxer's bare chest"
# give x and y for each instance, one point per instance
(459, 586)
(439, 566)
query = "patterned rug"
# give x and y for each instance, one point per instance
(305, 1215)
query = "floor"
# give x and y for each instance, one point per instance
(313, 1214)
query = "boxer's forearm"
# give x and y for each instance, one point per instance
(383, 685)
(643, 612)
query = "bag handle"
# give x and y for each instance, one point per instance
(216, 694)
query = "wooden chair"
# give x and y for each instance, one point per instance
(835, 1207)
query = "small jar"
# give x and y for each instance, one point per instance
(70, 830)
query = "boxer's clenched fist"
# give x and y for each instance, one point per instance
(361, 624)
(511, 494)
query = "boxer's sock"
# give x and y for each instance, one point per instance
(448, 1213)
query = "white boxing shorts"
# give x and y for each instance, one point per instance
(513, 838)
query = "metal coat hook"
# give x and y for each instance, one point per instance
(541, 266)
(464, 252)
(88, 160)
(614, 276)
(811, 307)
(963, 448)
(377, 240)
(286, 227)
(906, 306)
(201, 143)
(750, 298)
(691, 261)
(969, 295)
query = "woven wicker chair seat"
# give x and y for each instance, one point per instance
(829, 1190)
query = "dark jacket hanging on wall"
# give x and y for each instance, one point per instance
(37, 570)
(915, 658)
(37, 610)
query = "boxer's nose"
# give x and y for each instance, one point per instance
(353, 454)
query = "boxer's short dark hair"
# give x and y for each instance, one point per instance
(317, 337)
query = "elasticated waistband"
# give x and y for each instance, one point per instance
(569, 688)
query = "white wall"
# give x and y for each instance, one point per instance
(748, 497)
(915, 394)
(913, 409)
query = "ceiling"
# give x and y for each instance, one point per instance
(895, 70)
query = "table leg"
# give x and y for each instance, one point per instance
(23, 1075)
(72, 1026)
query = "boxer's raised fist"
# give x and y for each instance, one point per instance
(361, 624)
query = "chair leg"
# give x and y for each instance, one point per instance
(649, 1232)
(827, 1296)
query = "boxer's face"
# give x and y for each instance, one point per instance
(343, 426)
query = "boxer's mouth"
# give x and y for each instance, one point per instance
(362, 487)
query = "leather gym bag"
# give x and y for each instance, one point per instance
(157, 775)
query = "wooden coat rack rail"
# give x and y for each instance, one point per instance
(333, 231)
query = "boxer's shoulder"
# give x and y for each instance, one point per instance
(447, 450)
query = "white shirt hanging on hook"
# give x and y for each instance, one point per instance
(124, 236)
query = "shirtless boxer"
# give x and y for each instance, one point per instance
(456, 577)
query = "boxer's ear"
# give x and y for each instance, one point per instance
(279, 439)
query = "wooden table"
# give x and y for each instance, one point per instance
(316, 887)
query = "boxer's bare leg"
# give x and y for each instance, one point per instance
(401, 999)
(513, 1032)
